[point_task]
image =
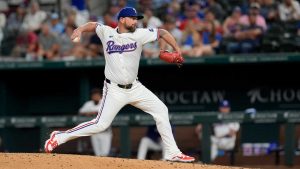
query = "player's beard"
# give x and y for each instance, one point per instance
(131, 28)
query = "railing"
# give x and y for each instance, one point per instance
(218, 59)
(179, 119)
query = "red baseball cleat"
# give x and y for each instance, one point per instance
(51, 143)
(182, 158)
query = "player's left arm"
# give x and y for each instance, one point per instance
(165, 35)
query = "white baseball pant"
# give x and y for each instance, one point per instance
(114, 98)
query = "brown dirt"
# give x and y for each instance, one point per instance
(66, 161)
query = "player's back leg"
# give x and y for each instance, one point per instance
(147, 101)
(111, 104)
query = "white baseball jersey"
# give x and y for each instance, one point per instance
(223, 129)
(123, 51)
(89, 107)
(221, 139)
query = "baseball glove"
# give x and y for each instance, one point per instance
(171, 57)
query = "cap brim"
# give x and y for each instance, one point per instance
(140, 17)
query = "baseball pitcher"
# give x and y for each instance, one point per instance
(122, 49)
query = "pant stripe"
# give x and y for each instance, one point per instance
(93, 121)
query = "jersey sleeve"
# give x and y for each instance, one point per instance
(100, 30)
(148, 35)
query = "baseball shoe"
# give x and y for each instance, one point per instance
(51, 143)
(182, 158)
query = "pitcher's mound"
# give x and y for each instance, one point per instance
(66, 161)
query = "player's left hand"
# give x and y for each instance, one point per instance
(171, 57)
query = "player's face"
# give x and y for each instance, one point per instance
(96, 97)
(130, 23)
(224, 110)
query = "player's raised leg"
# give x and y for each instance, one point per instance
(145, 100)
(111, 104)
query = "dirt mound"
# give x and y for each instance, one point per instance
(66, 161)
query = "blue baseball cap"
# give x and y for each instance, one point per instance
(129, 12)
(224, 103)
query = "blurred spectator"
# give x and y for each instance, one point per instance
(143, 4)
(248, 39)
(66, 44)
(160, 3)
(48, 41)
(77, 12)
(76, 17)
(101, 142)
(210, 40)
(82, 50)
(3, 6)
(34, 18)
(216, 9)
(170, 26)
(116, 5)
(173, 9)
(79, 51)
(79, 4)
(18, 2)
(151, 141)
(201, 38)
(109, 21)
(15, 19)
(95, 48)
(96, 7)
(231, 23)
(210, 17)
(269, 10)
(121, 3)
(150, 21)
(2, 25)
(254, 11)
(190, 41)
(224, 134)
(246, 5)
(298, 29)
(113, 10)
(200, 9)
(56, 26)
(152, 49)
(70, 19)
(23, 48)
(191, 15)
(34, 51)
(289, 10)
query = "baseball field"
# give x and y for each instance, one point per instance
(66, 161)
